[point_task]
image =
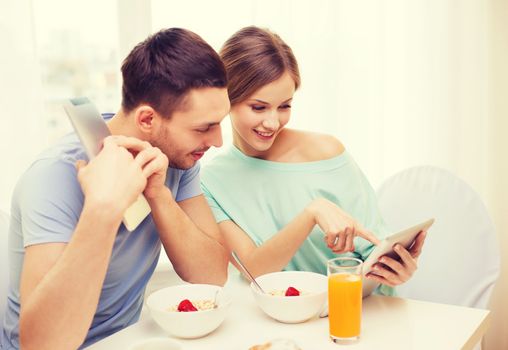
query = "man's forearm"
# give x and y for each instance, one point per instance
(58, 312)
(196, 256)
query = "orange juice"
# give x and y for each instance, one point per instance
(345, 304)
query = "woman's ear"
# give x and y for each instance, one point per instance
(144, 117)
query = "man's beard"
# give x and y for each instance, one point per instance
(176, 159)
(179, 164)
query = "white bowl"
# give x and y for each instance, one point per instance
(188, 324)
(156, 344)
(294, 309)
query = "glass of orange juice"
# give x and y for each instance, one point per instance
(344, 299)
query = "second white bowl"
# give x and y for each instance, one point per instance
(294, 309)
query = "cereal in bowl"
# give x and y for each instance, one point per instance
(197, 305)
(290, 292)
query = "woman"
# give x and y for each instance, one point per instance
(289, 199)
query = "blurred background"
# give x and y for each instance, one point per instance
(400, 82)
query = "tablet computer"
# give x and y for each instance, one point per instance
(91, 130)
(404, 237)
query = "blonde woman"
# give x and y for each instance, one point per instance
(284, 198)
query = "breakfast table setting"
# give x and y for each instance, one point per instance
(386, 323)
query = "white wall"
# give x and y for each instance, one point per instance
(497, 338)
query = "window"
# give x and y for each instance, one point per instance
(77, 47)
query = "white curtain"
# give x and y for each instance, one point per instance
(22, 131)
(400, 82)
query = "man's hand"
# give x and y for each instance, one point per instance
(151, 159)
(113, 178)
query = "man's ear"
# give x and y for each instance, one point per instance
(145, 117)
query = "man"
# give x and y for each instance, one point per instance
(77, 274)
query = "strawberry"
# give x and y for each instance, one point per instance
(186, 306)
(292, 292)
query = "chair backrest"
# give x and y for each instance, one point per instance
(460, 261)
(4, 265)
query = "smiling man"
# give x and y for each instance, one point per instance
(77, 274)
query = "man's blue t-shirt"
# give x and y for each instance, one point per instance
(46, 207)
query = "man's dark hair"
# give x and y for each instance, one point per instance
(162, 69)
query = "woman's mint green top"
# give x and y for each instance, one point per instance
(262, 197)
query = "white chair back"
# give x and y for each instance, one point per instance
(460, 262)
(4, 265)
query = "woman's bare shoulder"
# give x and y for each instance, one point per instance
(313, 146)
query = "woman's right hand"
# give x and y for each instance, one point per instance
(114, 178)
(340, 228)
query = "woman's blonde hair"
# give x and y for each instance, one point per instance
(254, 57)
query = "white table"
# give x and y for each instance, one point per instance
(387, 323)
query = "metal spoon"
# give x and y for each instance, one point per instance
(215, 299)
(253, 280)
